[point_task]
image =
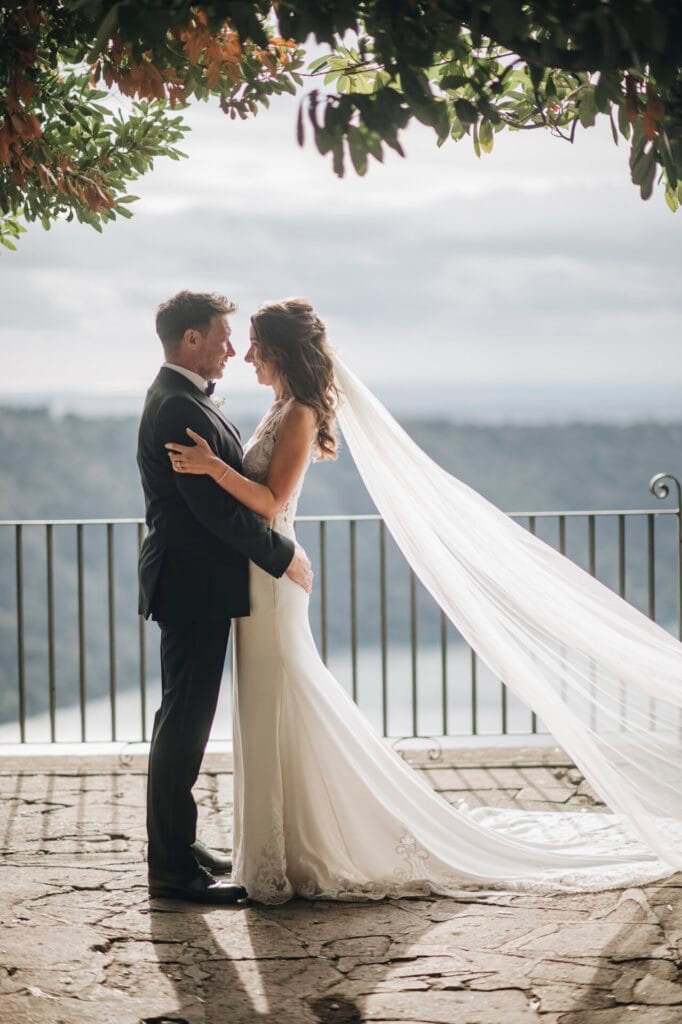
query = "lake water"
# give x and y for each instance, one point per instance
(399, 711)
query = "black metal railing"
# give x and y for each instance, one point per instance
(85, 638)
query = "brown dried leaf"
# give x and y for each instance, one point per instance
(5, 146)
(213, 73)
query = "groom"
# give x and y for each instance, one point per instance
(194, 578)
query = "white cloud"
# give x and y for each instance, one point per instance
(537, 263)
(258, 162)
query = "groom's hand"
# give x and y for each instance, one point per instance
(300, 570)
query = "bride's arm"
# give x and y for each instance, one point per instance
(295, 434)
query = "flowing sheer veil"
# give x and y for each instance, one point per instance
(605, 680)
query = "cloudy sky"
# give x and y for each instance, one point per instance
(536, 265)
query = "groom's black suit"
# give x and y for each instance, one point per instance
(193, 575)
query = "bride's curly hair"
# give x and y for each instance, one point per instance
(293, 339)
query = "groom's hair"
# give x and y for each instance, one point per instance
(189, 311)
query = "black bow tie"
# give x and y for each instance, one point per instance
(210, 388)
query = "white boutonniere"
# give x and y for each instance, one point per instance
(217, 400)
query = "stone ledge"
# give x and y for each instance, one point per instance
(217, 762)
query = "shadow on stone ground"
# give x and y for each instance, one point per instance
(81, 942)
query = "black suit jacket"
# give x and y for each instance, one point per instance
(194, 559)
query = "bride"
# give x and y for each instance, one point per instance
(322, 806)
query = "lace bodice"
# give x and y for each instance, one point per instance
(257, 454)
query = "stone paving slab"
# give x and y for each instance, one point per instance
(80, 942)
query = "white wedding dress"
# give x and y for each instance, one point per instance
(324, 808)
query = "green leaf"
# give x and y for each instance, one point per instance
(637, 157)
(667, 158)
(647, 186)
(448, 82)
(623, 123)
(324, 140)
(104, 32)
(466, 111)
(374, 147)
(643, 169)
(338, 160)
(536, 75)
(614, 130)
(672, 200)
(587, 108)
(486, 136)
(300, 134)
(318, 63)
(601, 94)
(477, 147)
(358, 150)
(457, 131)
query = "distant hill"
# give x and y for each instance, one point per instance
(75, 466)
(465, 402)
(84, 467)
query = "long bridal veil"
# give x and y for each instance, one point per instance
(605, 680)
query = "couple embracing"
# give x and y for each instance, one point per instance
(323, 808)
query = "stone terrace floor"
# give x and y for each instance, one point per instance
(80, 942)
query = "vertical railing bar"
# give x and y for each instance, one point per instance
(444, 669)
(621, 555)
(474, 694)
(142, 646)
(21, 652)
(384, 628)
(413, 650)
(52, 672)
(533, 716)
(323, 590)
(592, 569)
(112, 627)
(651, 590)
(562, 551)
(621, 592)
(82, 681)
(678, 518)
(678, 561)
(651, 566)
(353, 609)
(592, 544)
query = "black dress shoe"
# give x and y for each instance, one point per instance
(200, 888)
(216, 863)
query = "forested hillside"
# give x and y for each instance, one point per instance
(75, 467)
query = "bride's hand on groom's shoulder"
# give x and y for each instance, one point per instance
(198, 458)
(300, 570)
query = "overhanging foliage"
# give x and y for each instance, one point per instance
(69, 145)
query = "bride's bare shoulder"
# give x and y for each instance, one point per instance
(298, 421)
(298, 414)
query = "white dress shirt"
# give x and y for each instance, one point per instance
(196, 379)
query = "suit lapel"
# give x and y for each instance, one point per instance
(211, 407)
(177, 382)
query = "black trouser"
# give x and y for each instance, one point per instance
(192, 660)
